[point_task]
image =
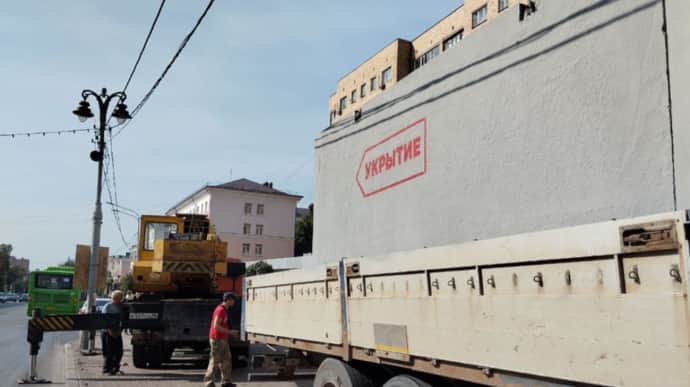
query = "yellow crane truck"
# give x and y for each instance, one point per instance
(179, 275)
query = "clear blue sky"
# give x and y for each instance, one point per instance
(248, 96)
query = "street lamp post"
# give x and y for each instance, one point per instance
(83, 112)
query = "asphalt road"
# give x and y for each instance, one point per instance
(14, 350)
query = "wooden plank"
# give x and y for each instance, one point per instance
(81, 268)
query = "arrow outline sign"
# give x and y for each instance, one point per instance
(384, 140)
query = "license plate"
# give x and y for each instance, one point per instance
(143, 316)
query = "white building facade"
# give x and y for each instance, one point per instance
(119, 267)
(256, 220)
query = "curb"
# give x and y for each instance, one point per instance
(72, 374)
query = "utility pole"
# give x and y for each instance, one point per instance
(83, 112)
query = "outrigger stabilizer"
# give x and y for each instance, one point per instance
(38, 324)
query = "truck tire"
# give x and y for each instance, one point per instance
(155, 357)
(139, 356)
(406, 381)
(335, 373)
(147, 357)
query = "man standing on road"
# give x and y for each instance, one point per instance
(111, 339)
(219, 334)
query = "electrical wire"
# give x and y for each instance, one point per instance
(43, 133)
(106, 180)
(143, 47)
(186, 39)
(112, 194)
(114, 179)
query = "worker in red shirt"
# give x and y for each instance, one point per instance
(219, 334)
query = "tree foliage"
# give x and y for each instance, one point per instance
(17, 279)
(69, 262)
(5, 252)
(126, 283)
(260, 267)
(304, 229)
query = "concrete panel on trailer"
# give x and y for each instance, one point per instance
(597, 325)
(677, 15)
(583, 327)
(300, 304)
(557, 120)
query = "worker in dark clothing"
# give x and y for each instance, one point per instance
(111, 339)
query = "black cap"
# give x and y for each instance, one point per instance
(228, 296)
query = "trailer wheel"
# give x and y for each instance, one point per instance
(335, 373)
(406, 381)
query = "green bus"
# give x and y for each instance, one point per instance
(51, 290)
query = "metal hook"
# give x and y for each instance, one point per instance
(634, 274)
(675, 273)
(470, 282)
(539, 279)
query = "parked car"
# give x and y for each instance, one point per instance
(100, 303)
(9, 297)
(24, 297)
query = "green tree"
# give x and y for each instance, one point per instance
(304, 229)
(69, 262)
(260, 267)
(5, 251)
(126, 283)
(17, 278)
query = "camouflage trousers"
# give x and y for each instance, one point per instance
(219, 359)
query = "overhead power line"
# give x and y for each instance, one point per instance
(186, 39)
(112, 193)
(116, 215)
(43, 133)
(143, 47)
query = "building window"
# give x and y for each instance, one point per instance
(247, 208)
(245, 248)
(343, 104)
(479, 16)
(453, 40)
(386, 75)
(259, 209)
(353, 96)
(247, 229)
(427, 56)
(259, 229)
(363, 90)
(259, 250)
(502, 4)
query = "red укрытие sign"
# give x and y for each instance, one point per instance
(396, 159)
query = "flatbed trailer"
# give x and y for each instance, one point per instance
(597, 304)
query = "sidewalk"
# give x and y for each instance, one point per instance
(85, 371)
